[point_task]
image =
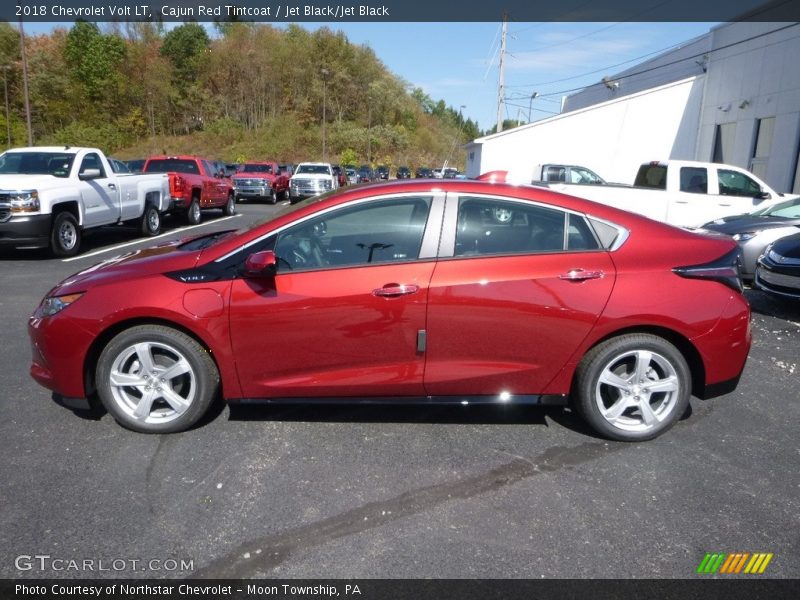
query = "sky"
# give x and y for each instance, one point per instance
(458, 62)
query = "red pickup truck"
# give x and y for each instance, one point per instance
(261, 180)
(194, 185)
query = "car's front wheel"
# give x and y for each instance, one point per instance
(633, 387)
(230, 206)
(155, 379)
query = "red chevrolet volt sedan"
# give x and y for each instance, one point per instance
(447, 291)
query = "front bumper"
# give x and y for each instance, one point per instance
(31, 231)
(263, 191)
(776, 279)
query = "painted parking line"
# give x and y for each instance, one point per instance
(143, 240)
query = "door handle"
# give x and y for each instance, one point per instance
(580, 275)
(112, 186)
(393, 290)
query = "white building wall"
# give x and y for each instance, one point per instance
(751, 80)
(746, 80)
(612, 138)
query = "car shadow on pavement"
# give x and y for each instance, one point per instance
(383, 413)
(773, 306)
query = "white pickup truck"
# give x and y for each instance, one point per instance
(311, 179)
(683, 193)
(49, 195)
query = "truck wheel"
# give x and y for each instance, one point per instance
(230, 206)
(150, 223)
(273, 196)
(286, 195)
(155, 379)
(193, 212)
(65, 236)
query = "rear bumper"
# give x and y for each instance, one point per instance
(26, 232)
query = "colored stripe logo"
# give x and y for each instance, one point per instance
(734, 563)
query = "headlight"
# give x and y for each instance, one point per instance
(743, 237)
(55, 304)
(24, 201)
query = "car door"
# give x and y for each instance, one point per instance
(343, 314)
(101, 200)
(517, 288)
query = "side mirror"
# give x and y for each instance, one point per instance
(763, 195)
(89, 174)
(261, 264)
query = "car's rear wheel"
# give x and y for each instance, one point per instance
(155, 379)
(193, 214)
(633, 387)
(150, 223)
(273, 196)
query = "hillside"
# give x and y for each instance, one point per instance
(250, 91)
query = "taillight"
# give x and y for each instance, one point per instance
(725, 270)
(179, 184)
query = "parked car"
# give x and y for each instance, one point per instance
(136, 165)
(425, 292)
(195, 184)
(756, 230)
(382, 172)
(437, 173)
(365, 174)
(450, 173)
(117, 165)
(260, 181)
(51, 195)
(682, 193)
(341, 176)
(311, 179)
(423, 173)
(778, 269)
(352, 175)
(403, 173)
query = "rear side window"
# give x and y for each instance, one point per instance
(652, 176)
(694, 180)
(488, 226)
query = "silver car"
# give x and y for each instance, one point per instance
(756, 230)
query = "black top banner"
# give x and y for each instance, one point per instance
(286, 11)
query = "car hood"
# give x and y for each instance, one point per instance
(788, 246)
(138, 264)
(742, 223)
(31, 182)
(253, 175)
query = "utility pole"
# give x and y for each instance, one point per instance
(8, 114)
(25, 82)
(501, 91)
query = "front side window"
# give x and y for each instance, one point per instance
(92, 161)
(488, 226)
(374, 232)
(733, 183)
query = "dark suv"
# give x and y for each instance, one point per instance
(424, 172)
(403, 173)
(382, 172)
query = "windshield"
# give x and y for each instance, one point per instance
(789, 209)
(256, 168)
(57, 164)
(312, 170)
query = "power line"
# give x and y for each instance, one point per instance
(668, 64)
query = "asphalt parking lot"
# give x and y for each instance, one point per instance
(374, 492)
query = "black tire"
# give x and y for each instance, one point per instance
(641, 381)
(286, 194)
(65, 235)
(193, 213)
(230, 206)
(273, 197)
(150, 222)
(165, 404)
